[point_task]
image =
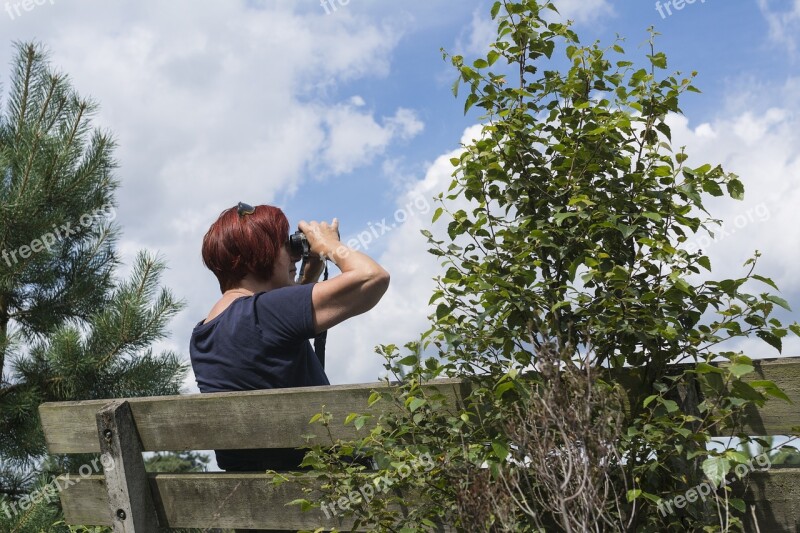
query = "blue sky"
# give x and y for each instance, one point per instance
(350, 114)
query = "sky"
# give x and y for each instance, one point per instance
(344, 109)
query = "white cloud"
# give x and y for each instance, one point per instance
(784, 25)
(763, 148)
(476, 38)
(584, 11)
(354, 138)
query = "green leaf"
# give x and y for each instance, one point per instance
(373, 398)
(771, 339)
(626, 230)
(738, 504)
(777, 300)
(771, 389)
(493, 56)
(633, 494)
(670, 405)
(740, 370)
(408, 360)
(716, 468)
(416, 403)
(659, 60)
(735, 189)
(561, 217)
(768, 281)
(437, 214)
(304, 504)
(360, 421)
(500, 450)
(471, 100)
(705, 368)
(503, 387)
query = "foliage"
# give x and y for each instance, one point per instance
(568, 221)
(177, 462)
(69, 330)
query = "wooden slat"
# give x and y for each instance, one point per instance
(201, 500)
(775, 497)
(229, 420)
(252, 501)
(777, 417)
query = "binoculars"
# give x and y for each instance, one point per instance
(298, 245)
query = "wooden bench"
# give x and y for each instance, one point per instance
(133, 501)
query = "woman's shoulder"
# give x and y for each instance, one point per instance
(284, 295)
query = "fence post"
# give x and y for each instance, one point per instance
(129, 497)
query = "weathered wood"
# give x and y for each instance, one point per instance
(775, 498)
(226, 500)
(228, 420)
(253, 501)
(129, 499)
(777, 417)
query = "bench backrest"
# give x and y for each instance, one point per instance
(280, 419)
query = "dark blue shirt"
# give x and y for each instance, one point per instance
(258, 342)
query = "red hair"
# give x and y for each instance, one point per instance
(235, 245)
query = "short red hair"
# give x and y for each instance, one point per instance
(235, 245)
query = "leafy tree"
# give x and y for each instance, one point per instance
(566, 260)
(177, 462)
(69, 330)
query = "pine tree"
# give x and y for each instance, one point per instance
(69, 330)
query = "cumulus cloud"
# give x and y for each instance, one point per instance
(784, 24)
(584, 11)
(354, 137)
(476, 38)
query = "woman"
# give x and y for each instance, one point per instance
(257, 335)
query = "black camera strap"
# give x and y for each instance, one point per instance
(322, 338)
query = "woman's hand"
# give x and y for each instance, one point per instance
(323, 238)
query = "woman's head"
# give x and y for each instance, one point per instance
(248, 243)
